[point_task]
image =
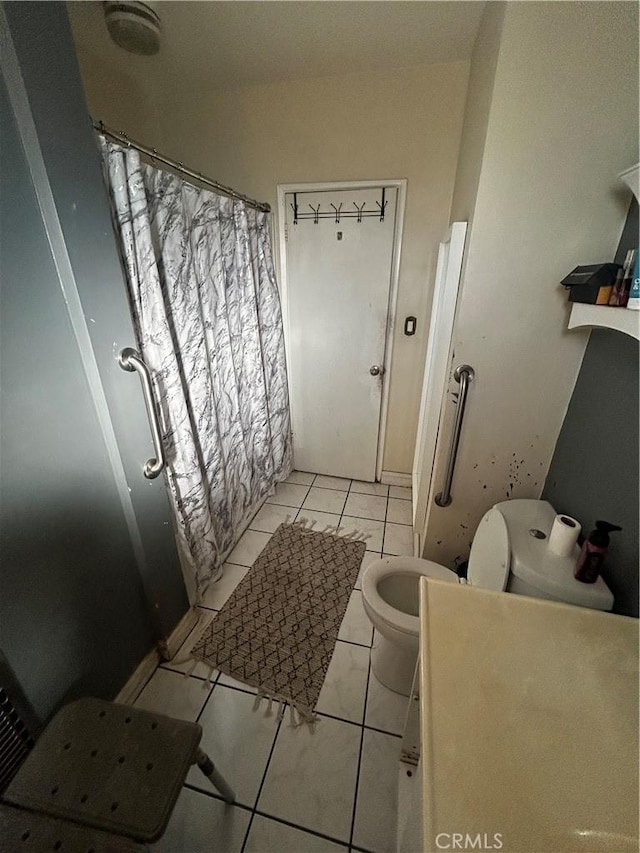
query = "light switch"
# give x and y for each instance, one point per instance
(410, 326)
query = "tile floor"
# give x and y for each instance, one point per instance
(299, 791)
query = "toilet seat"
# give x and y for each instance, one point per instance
(396, 619)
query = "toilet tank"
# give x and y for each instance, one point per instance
(538, 572)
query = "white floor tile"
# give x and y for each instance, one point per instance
(362, 488)
(288, 494)
(248, 548)
(271, 516)
(172, 694)
(300, 478)
(369, 557)
(366, 506)
(199, 821)
(402, 492)
(398, 540)
(325, 500)
(312, 776)
(377, 806)
(345, 684)
(322, 519)
(238, 740)
(322, 481)
(375, 529)
(399, 511)
(270, 836)
(217, 593)
(356, 627)
(386, 710)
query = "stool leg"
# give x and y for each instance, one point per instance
(214, 776)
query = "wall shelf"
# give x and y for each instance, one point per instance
(602, 317)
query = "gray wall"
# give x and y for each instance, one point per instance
(594, 473)
(89, 573)
(73, 619)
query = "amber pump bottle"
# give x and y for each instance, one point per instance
(594, 550)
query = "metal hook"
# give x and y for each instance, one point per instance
(360, 210)
(382, 205)
(316, 213)
(337, 210)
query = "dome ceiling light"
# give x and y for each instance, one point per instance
(133, 25)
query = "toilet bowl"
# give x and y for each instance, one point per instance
(390, 594)
(509, 553)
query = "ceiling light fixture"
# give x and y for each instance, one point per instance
(133, 25)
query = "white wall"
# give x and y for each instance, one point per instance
(400, 124)
(121, 88)
(403, 124)
(563, 121)
(476, 113)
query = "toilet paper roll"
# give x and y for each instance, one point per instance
(564, 535)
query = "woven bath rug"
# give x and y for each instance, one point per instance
(278, 630)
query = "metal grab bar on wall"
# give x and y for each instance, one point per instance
(131, 360)
(464, 375)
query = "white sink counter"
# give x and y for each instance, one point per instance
(529, 723)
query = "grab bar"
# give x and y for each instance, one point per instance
(130, 359)
(464, 375)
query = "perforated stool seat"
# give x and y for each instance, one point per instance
(32, 832)
(111, 767)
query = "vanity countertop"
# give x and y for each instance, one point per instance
(529, 723)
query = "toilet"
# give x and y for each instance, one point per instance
(509, 553)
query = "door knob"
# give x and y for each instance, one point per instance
(376, 370)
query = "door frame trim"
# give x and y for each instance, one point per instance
(447, 283)
(400, 184)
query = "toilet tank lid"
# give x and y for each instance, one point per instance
(490, 556)
(536, 565)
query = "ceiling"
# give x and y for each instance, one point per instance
(221, 45)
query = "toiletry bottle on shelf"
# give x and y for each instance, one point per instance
(594, 550)
(622, 285)
(634, 292)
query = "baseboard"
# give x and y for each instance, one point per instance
(394, 478)
(140, 676)
(168, 648)
(165, 650)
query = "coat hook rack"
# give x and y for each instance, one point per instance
(338, 214)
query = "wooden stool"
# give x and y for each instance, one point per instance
(111, 767)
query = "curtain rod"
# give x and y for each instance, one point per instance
(121, 137)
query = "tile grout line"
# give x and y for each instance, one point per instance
(384, 532)
(262, 781)
(206, 701)
(362, 729)
(304, 829)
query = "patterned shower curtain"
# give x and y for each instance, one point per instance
(207, 315)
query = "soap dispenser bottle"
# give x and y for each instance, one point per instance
(594, 550)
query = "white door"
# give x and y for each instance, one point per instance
(337, 293)
(445, 296)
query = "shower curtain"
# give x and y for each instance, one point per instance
(207, 315)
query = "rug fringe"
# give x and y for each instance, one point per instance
(355, 535)
(299, 715)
